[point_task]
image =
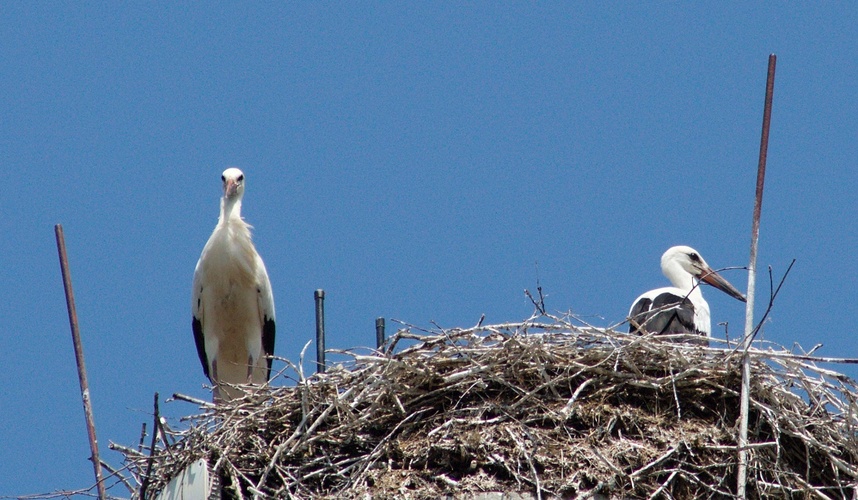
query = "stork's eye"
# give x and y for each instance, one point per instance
(223, 178)
(694, 257)
(241, 178)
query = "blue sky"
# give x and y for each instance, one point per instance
(419, 161)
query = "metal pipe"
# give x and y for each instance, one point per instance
(379, 332)
(319, 295)
(744, 402)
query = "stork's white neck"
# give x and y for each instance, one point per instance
(682, 279)
(230, 209)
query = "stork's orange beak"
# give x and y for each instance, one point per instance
(715, 279)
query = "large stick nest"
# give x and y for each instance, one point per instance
(550, 409)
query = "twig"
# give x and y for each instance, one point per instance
(664, 456)
(189, 399)
(540, 304)
(661, 488)
(122, 479)
(772, 296)
(125, 450)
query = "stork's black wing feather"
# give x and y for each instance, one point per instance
(667, 313)
(268, 342)
(201, 345)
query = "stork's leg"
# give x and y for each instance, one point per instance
(249, 369)
(216, 390)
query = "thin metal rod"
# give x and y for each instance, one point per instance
(742, 470)
(379, 332)
(142, 438)
(320, 330)
(81, 365)
(151, 461)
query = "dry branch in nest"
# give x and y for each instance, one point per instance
(551, 409)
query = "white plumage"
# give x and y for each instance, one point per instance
(680, 308)
(232, 305)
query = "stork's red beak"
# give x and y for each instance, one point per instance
(715, 279)
(230, 188)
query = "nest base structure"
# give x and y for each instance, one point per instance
(543, 410)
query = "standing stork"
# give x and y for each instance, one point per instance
(680, 308)
(232, 305)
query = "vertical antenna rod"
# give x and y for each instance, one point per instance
(742, 471)
(81, 365)
(320, 330)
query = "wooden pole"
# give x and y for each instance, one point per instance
(742, 471)
(81, 365)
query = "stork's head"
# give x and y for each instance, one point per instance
(686, 258)
(680, 261)
(233, 184)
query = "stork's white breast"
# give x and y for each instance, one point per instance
(232, 319)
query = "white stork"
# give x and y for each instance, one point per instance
(680, 308)
(232, 305)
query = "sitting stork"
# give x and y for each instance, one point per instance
(232, 305)
(680, 308)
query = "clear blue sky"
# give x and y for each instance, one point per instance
(419, 161)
